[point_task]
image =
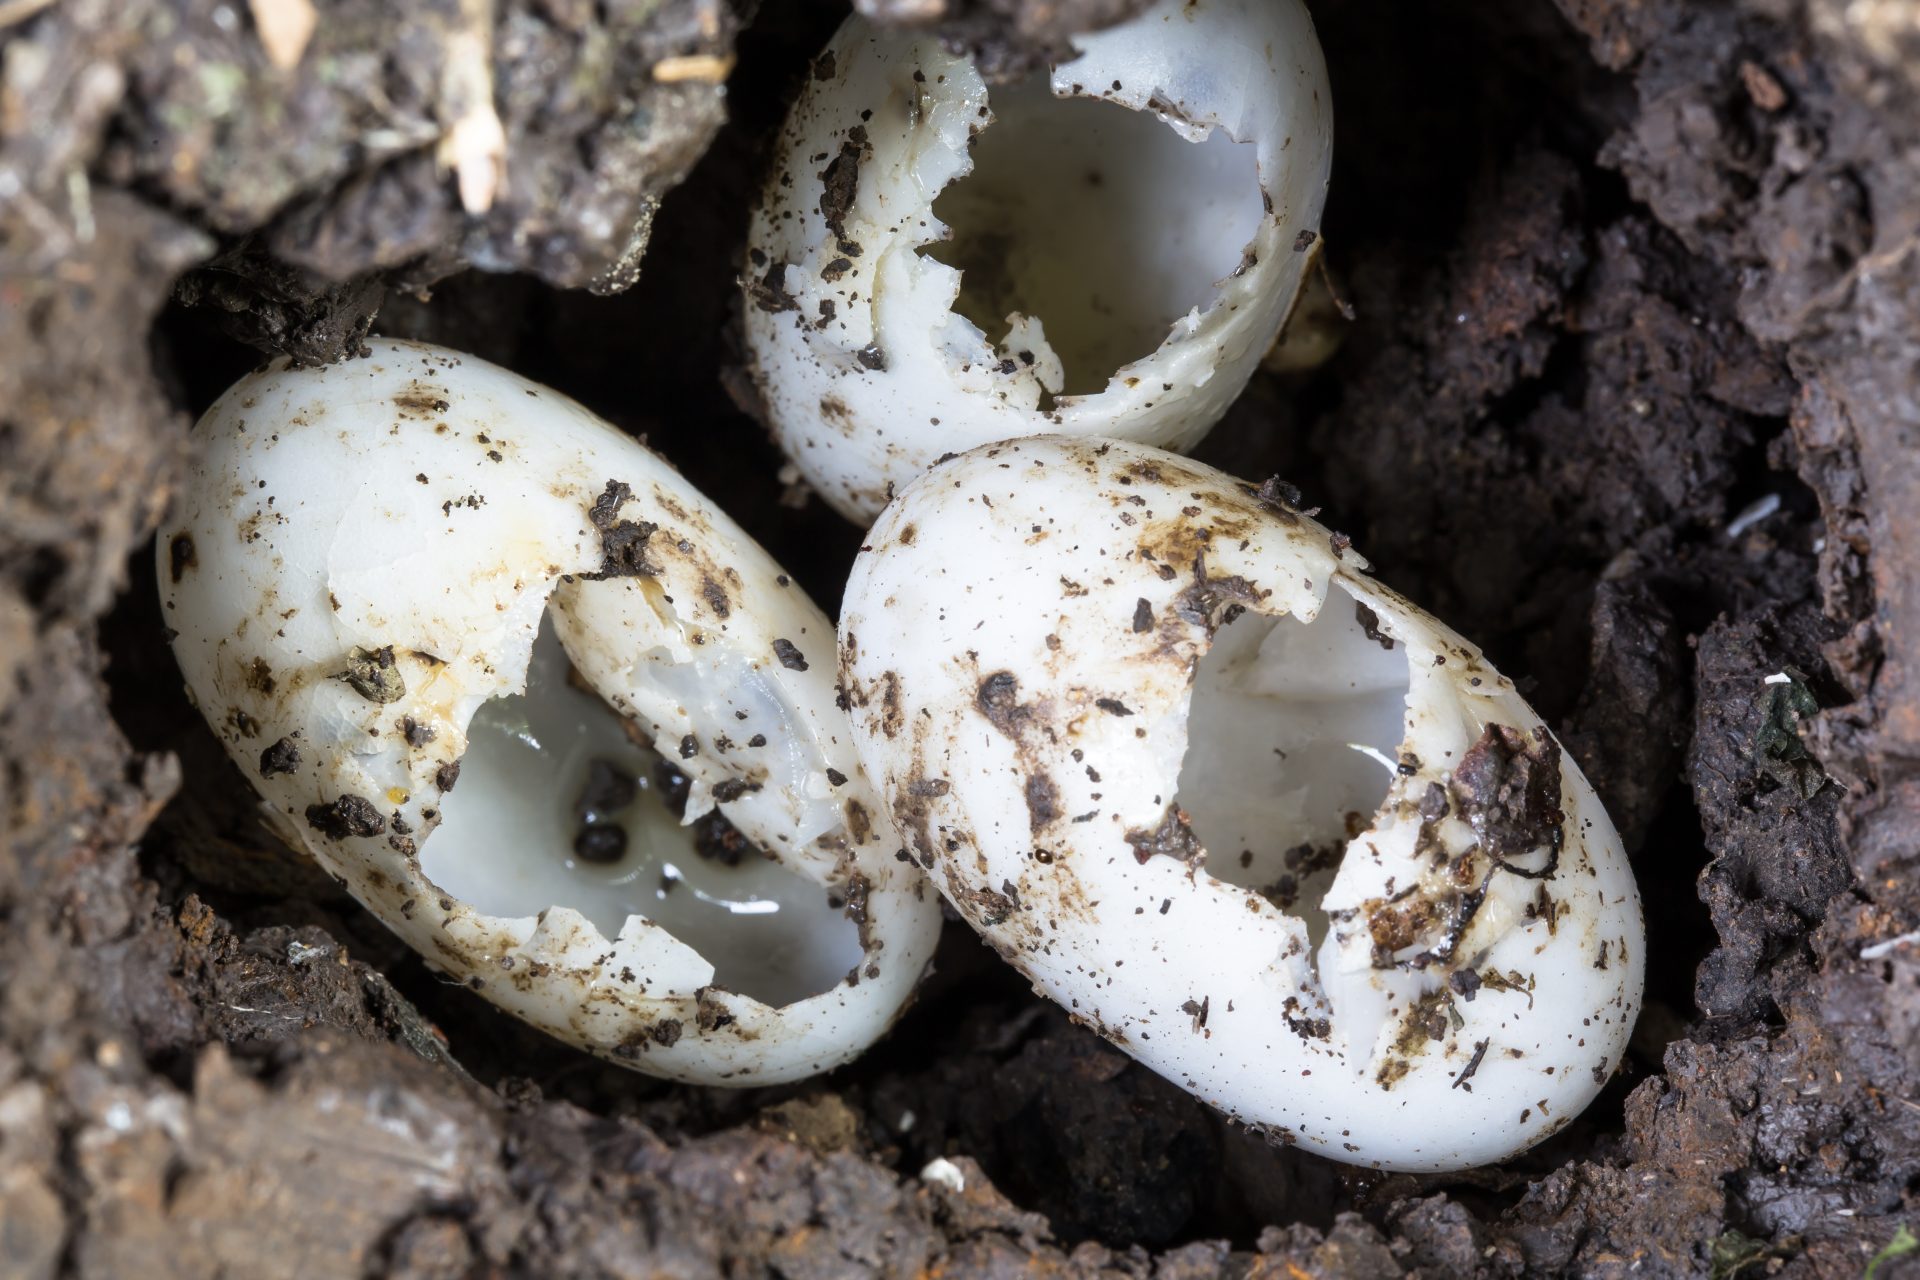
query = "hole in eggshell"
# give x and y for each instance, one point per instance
(1100, 221)
(506, 845)
(1292, 742)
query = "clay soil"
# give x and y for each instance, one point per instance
(1620, 270)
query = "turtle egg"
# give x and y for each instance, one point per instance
(1253, 817)
(551, 716)
(1104, 250)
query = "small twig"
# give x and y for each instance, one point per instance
(475, 143)
(1473, 1065)
(1881, 950)
(703, 68)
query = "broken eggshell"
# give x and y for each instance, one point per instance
(361, 562)
(1250, 815)
(1127, 237)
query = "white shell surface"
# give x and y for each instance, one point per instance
(1124, 707)
(424, 510)
(866, 371)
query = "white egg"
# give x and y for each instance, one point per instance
(357, 576)
(1252, 816)
(937, 264)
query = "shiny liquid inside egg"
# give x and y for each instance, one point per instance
(557, 805)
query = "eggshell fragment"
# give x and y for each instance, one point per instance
(362, 559)
(1130, 235)
(1249, 814)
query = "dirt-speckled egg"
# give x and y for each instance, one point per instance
(1106, 250)
(1252, 816)
(546, 711)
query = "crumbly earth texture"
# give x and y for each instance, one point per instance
(1620, 269)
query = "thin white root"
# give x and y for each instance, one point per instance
(474, 146)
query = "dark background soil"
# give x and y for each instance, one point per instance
(1619, 268)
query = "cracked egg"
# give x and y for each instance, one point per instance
(548, 713)
(1249, 814)
(1106, 249)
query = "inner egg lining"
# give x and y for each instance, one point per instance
(1101, 221)
(1293, 738)
(506, 845)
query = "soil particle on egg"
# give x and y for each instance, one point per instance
(345, 816)
(1300, 863)
(717, 840)
(623, 543)
(730, 789)
(769, 291)
(1212, 602)
(373, 674)
(999, 701)
(1370, 625)
(1507, 787)
(1173, 838)
(789, 655)
(282, 757)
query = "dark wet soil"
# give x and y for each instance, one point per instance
(1621, 270)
